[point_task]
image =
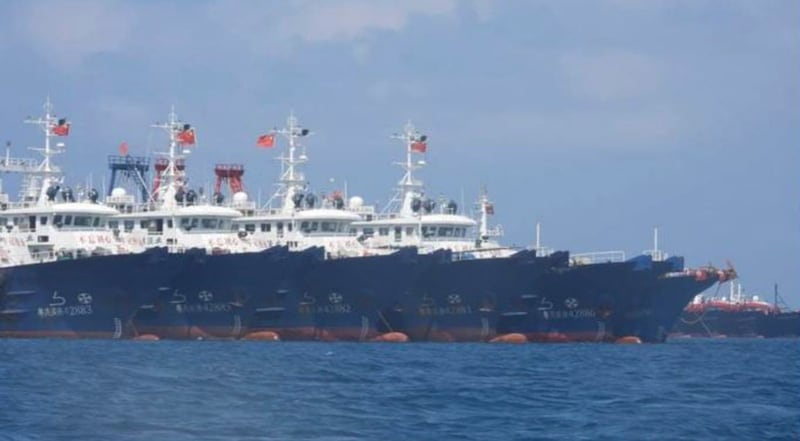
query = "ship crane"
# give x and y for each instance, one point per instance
(130, 169)
(230, 174)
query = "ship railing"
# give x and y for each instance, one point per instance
(21, 165)
(268, 212)
(597, 257)
(126, 199)
(249, 206)
(656, 255)
(22, 204)
(363, 210)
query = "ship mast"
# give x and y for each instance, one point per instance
(292, 181)
(408, 188)
(483, 226)
(45, 174)
(173, 177)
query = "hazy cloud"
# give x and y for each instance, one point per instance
(610, 75)
(323, 21)
(69, 33)
(384, 90)
(584, 130)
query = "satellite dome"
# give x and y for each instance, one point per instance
(239, 197)
(355, 202)
(118, 192)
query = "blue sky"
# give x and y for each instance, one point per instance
(600, 119)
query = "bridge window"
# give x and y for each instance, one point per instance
(42, 220)
(409, 231)
(129, 226)
(67, 220)
(96, 222)
(265, 228)
(428, 231)
(113, 225)
(445, 231)
(189, 223)
(328, 227)
(209, 224)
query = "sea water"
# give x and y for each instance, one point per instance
(722, 389)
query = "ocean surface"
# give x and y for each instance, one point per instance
(721, 389)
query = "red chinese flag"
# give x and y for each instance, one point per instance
(62, 129)
(123, 148)
(266, 141)
(419, 147)
(186, 137)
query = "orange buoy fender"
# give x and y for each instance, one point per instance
(262, 336)
(515, 338)
(391, 337)
(630, 339)
(147, 337)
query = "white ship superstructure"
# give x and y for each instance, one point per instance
(176, 216)
(295, 216)
(51, 220)
(413, 219)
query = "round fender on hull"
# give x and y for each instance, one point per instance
(629, 340)
(391, 337)
(262, 336)
(514, 338)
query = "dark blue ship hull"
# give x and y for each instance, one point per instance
(565, 303)
(221, 296)
(300, 296)
(93, 297)
(347, 299)
(780, 324)
(544, 299)
(458, 300)
(653, 311)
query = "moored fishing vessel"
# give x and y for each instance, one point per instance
(488, 291)
(62, 272)
(308, 266)
(224, 279)
(344, 295)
